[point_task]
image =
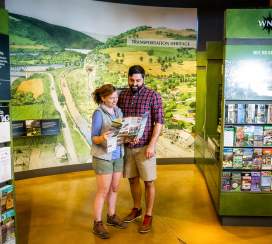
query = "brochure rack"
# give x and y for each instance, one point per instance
(246, 141)
(236, 157)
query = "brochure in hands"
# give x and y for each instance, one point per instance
(125, 130)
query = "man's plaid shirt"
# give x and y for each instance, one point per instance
(145, 100)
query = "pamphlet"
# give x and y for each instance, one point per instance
(228, 136)
(258, 136)
(269, 114)
(227, 158)
(257, 159)
(236, 181)
(260, 114)
(237, 158)
(226, 181)
(266, 181)
(244, 136)
(247, 158)
(267, 159)
(6, 198)
(241, 113)
(7, 220)
(255, 181)
(267, 139)
(231, 113)
(5, 164)
(250, 113)
(125, 130)
(246, 181)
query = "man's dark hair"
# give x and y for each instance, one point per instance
(136, 69)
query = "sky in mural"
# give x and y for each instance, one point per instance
(100, 19)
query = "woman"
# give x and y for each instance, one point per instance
(108, 165)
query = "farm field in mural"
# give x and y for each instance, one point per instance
(55, 69)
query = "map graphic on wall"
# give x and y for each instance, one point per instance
(58, 61)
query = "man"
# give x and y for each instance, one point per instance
(140, 158)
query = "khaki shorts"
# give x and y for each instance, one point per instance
(103, 167)
(136, 164)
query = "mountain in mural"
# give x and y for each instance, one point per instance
(146, 32)
(27, 32)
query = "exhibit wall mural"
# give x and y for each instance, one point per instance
(60, 52)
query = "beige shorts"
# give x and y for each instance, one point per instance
(136, 164)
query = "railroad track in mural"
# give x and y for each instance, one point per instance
(66, 130)
(81, 123)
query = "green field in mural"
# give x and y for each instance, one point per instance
(31, 98)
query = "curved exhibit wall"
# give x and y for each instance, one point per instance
(61, 51)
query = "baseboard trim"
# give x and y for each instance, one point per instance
(166, 161)
(86, 166)
(246, 220)
(52, 171)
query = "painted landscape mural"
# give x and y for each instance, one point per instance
(54, 70)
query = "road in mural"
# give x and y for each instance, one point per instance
(55, 69)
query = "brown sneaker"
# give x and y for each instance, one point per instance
(134, 214)
(146, 225)
(100, 230)
(115, 221)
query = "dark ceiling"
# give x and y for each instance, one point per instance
(199, 3)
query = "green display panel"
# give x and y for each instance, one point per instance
(214, 81)
(245, 204)
(215, 51)
(199, 147)
(213, 104)
(201, 59)
(209, 80)
(3, 21)
(248, 23)
(199, 143)
(200, 92)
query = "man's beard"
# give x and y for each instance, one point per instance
(135, 89)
